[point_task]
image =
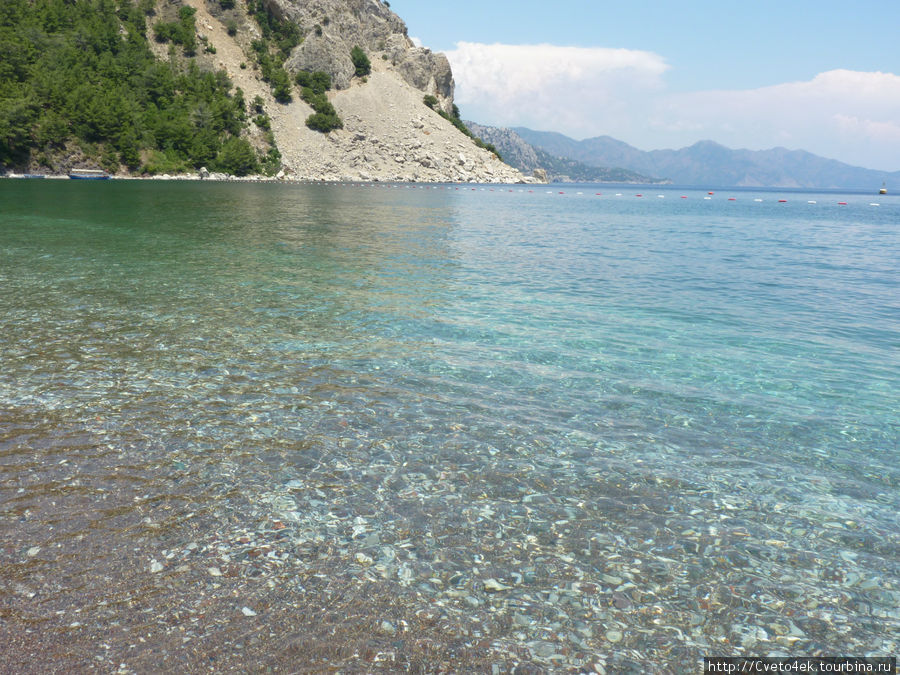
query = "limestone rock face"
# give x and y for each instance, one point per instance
(429, 72)
(325, 53)
(334, 27)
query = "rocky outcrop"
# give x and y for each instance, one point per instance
(334, 27)
(325, 53)
(428, 72)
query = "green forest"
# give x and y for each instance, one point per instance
(79, 78)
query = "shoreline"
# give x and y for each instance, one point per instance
(257, 178)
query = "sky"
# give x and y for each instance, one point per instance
(820, 76)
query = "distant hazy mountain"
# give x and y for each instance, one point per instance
(708, 163)
(526, 158)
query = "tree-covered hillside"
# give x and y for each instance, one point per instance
(79, 82)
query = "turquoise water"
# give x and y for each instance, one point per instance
(484, 428)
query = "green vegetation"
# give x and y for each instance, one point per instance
(279, 38)
(182, 32)
(360, 61)
(318, 81)
(313, 87)
(237, 157)
(283, 34)
(430, 101)
(273, 72)
(79, 78)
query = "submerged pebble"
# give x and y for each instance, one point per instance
(614, 635)
(494, 586)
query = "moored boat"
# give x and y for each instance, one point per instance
(883, 190)
(88, 174)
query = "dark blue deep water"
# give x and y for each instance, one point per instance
(399, 427)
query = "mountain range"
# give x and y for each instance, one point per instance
(708, 163)
(529, 159)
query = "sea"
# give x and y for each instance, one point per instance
(260, 427)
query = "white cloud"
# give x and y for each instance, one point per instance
(847, 115)
(570, 89)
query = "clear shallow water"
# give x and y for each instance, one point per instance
(413, 428)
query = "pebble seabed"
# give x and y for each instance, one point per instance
(382, 557)
(216, 516)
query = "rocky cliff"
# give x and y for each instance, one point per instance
(389, 133)
(371, 25)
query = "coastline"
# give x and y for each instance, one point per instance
(258, 178)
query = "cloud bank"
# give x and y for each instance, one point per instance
(581, 92)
